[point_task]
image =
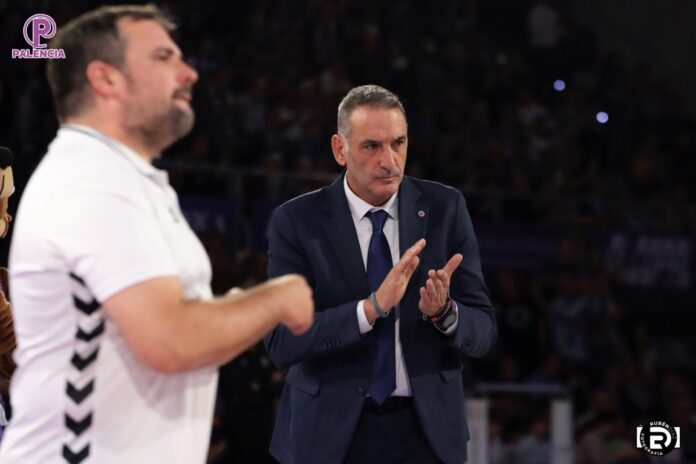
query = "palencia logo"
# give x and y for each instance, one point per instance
(38, 28)
(657, 437)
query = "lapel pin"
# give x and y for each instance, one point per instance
(421, 213)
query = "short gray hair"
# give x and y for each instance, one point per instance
(372, 96)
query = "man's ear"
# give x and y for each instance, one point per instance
(338, 146)
(103, 78)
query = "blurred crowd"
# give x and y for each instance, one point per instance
(514, 103)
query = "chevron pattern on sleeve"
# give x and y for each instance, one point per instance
(80, 384)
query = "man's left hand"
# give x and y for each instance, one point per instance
(433, 295)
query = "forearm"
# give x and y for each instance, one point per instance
(172, 335)
(214, 332)
(334, 329)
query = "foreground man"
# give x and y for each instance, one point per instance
(377, 379)
(118, 333)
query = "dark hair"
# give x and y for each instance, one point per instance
(89, 37)
(373, 96)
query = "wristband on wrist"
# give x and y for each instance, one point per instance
(441, 313)
(378, 309)
(448, 319)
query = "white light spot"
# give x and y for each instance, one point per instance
(602, 117)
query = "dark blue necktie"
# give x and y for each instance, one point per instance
(379, 263)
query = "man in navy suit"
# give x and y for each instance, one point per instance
(394, 265)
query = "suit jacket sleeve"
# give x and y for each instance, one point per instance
(333, 330)
(476, 328)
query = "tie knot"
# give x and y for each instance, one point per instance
(378, 219)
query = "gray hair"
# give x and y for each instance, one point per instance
(372, 96)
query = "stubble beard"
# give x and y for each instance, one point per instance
(159, 131)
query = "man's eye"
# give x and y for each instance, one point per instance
(164, 55)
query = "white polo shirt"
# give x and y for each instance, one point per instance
(94, 219)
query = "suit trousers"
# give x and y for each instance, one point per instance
(390, 434)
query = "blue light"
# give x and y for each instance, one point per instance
(559, 85)
(602, 117)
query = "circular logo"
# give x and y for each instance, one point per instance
(37, 27)
(657, 437)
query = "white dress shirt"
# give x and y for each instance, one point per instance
(363, 226)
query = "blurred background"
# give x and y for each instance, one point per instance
(568, 125)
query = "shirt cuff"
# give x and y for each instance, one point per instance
(363, 324)
(450, 330)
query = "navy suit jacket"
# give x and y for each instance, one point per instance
(329, 366)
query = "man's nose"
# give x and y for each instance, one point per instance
(387, 159)
(189, 75)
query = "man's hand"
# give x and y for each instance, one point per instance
(433, 295)
(392, 289)
(294, 298)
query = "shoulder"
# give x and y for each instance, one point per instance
(307, 203)
(78, 176)
(434, 190)
(78, 164)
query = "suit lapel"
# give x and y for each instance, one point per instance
(340, 232)
(413, 215)
(413, 221)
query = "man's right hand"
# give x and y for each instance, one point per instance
(391, 291)
(294, 297)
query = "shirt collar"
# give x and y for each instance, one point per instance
(136, 160)
(359, 207)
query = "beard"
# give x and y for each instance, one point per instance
(160, 130)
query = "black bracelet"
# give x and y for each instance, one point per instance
(444, 311)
